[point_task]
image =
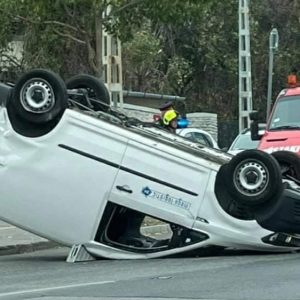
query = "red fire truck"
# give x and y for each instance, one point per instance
(282, 135)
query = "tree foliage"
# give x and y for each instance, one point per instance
(188, 48)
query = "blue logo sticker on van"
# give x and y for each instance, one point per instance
(146, 191)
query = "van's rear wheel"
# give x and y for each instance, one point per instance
(39, 96)
(253, 177)
(289, 164)
(37, 103)
(94, 93)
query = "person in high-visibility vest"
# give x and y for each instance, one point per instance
(169, 120)
(165, 107)
(167, 116)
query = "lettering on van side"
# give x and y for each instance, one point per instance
(295, 148)
(149, 193)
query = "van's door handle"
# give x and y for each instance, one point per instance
(124, 188)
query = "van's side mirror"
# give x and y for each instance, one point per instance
(254, 127)
(254, 115)
(254, 130)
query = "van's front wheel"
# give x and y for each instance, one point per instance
(253, 178)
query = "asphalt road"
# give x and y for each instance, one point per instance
(45, 275)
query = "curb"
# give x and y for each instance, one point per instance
(26, 248)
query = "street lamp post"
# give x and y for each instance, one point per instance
(273, 46)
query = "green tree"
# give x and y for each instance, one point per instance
(61, 30)
(283, 15)
(141, 60)
(55, 31)
(189, 48)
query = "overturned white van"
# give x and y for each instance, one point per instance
(75, 171)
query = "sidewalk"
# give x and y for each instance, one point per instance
(14, 240)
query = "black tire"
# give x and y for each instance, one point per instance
(95, 88)
(227, 201)
(253, 178)
(289, 164)
(39, 96)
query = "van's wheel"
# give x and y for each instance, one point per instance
(289, 164)
(39, 96)
(229, 203)
(253, 177)
(93, 92)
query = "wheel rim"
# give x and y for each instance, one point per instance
(251, 177)
(37, 96)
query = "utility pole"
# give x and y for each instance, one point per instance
(112, 66)
(245, 83)
(273, 46)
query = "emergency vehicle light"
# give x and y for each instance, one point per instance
(292, 80)
(183, 123)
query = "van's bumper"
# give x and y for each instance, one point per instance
(283, 218)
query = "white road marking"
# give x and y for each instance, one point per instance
(9, 227)
(54, 288)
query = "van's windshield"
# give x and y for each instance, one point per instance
(286, 114)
